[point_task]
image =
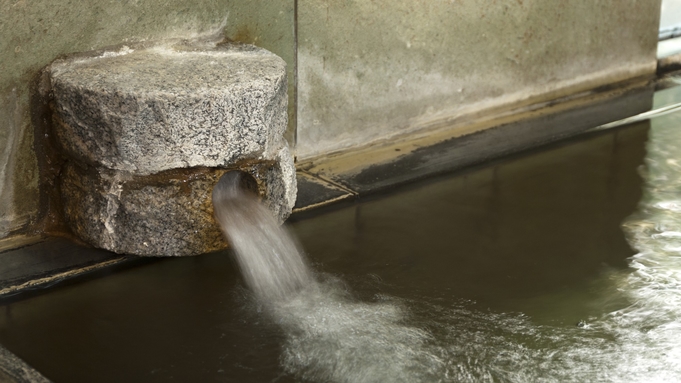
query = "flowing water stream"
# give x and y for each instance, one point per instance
(332, 337)
(329, 335)
(268, 256)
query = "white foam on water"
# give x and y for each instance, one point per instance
(332, 337)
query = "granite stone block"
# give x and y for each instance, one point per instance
(153, 109)
(150, 130)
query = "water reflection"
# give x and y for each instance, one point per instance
(503, 235)
(640, 342)
(494, 288)
(513, 270)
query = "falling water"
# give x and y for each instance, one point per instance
(268, 256)
(329, 335)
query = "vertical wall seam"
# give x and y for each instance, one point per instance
(294, 144)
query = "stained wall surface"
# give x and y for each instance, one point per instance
(34, 33)
(369, 70)
(358, 71)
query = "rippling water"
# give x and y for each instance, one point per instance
(649, 330)
(329, 335)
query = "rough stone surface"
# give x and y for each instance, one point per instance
(153, 109)
(150, 131)
(166, 214)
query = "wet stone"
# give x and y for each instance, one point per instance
(167, 214)
(149, 131)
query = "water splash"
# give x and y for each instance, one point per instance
(650, 329)
(331, 336)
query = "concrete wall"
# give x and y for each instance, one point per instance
(271, 25)
(366, 70)
(33, 33)
(369, 70)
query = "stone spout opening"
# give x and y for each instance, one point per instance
(234, 184)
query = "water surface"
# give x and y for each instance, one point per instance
(556, 265)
